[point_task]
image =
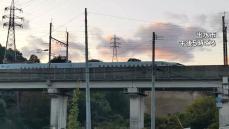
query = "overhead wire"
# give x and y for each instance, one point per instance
(118, 17)
(26, 4)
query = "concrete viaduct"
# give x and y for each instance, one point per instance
(134, 77)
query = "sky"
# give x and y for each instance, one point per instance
(133, 21)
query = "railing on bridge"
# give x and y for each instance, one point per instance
(116, 73)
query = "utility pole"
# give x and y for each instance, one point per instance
(115, 45)
(88, 104)
(67, 34)
(224, 41)
(153, 95)
(10, 42)
(50, 42)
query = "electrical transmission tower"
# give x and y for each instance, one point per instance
(115, 45)
(11, 24)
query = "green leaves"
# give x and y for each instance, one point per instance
(34, 59)
(73, 122)
(201, 114)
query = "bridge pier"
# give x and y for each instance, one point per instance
(58, 115)
(137, 107)
(223, 104)
(224, 116)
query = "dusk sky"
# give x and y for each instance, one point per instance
(133, 21)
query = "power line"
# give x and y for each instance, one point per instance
(141, 20)
(27, 3)
(57, 41)
(69, 21)
(60, 26)
(40, 8)
(119, 17)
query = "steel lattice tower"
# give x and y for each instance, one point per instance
(115, 44)
(11, 24)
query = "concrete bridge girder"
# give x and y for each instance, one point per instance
(58, 116)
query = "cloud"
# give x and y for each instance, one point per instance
(75, 51)
(26, 24)
(75, 48)
(201, 19)
(215, 22)
(174, 16)
(35, 46)
(211, 21)
(167, 49)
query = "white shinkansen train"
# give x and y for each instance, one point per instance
(82, 65)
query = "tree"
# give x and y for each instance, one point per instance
(202, 113)
(59, 59)
(73, 122)
(94, 60)
(133, 60)
(10, 56)
(20, 58)
(116, 99)
(34, 59)
(35, 109)
(9, 117)
(105, 109)
(2, 110)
